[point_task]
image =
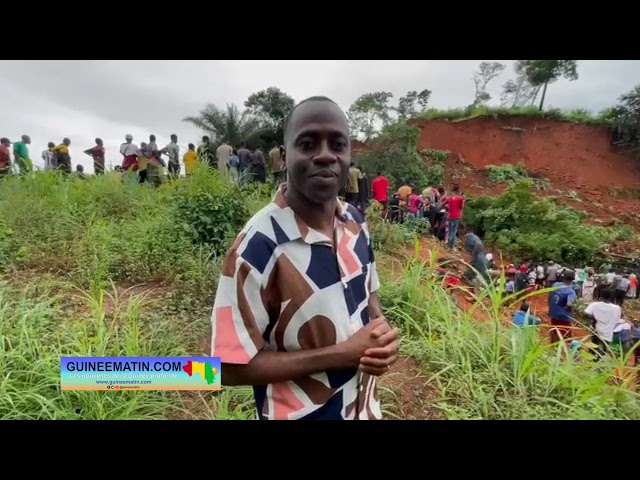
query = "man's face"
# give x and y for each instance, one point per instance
(318, 151)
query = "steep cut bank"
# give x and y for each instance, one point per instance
(572, 157)
(575, 155)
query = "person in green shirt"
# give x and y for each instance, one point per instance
(21, 154)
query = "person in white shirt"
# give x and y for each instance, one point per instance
(606, 316)
(49, 158)
(129, 151)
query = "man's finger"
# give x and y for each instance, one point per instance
(375, 362)
(388, 337)
(383, 352)
(381, 327)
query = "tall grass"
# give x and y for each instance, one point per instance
(489, 369)
(35, 334)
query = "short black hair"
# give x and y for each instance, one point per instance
(568, 276)
(191, 146)
(316, 98)
(525, 306)
(456, 188)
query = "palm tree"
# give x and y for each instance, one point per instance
(230, 126)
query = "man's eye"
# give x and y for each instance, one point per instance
(306, 144)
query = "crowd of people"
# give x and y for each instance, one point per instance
(146, 160)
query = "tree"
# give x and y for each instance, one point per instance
(407, 104)
(626, 119)
(519, 92)
(229, 125)
(544, 72)
(271, 107)
(486, 72)
(367, 110)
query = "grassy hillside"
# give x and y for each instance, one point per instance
(105, 267)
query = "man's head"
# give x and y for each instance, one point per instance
(441, 190)
(456, 190)
(79, 168)
(26, 139)
(152, 138)
(174, 138)
(5, 141)
(606, 295)
(66, 141)
(128, 138)
(568, 276)
(99, 142)
(274, 144)
(51, 145)
(352, 164)
(205, 139)
(192, 146)
(316, 135)
(525, 307)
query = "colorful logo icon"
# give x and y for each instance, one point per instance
(206, 371)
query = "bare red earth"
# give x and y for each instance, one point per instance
(573, 157)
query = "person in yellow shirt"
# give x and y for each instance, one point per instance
(404, 192)
(190, 160)
(62, 156)
(353, 187)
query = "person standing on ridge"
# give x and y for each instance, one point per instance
(129, 151)
(190, 160)
(5, 157)
(63, 159)
(97, 153)
(49, 158)
(21, 154)
(244, 155)
(206, 153)
(296, 313)
(223, 153)
(173, 152)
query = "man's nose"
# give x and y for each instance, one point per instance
(325, 155)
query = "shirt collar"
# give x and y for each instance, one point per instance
(289, 227)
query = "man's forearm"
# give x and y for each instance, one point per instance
(275, 367)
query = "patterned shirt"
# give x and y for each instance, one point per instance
(284, 288)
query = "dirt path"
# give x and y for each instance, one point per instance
(406, 395)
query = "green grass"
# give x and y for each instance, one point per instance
(462, 114)
(73, 252)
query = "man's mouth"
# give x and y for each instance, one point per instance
(325, 174)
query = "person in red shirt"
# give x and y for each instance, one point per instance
(380, 188)
(456, 205)
(5, 157)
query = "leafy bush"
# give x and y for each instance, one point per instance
(506, 173)
(522, 226)
(210, 218)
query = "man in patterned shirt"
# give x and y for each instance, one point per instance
(296, 313)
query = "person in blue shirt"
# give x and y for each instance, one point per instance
(524, 318)
(561, 306)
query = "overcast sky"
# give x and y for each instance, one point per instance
(49, 100)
